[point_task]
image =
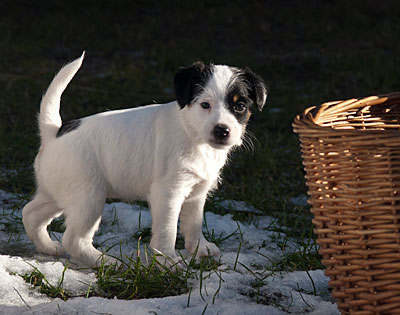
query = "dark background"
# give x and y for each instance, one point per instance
(308, 52)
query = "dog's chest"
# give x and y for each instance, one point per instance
(206, 163)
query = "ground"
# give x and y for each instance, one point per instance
(238, 284)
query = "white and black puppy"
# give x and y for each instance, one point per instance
(167, 154)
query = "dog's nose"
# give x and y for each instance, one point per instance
(221, 132)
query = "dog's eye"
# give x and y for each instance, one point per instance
(240, 108)
(205, 105)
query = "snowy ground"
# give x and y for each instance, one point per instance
(281, 293)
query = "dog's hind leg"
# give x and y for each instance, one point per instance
(82, 220)
(36, 216)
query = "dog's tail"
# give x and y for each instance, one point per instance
(49, 117)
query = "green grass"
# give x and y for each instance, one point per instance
(10, 221)
(38, 280)
(137, 279)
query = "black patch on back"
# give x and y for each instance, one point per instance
(189, 82)
(68, 126)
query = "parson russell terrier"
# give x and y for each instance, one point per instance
(169, 154)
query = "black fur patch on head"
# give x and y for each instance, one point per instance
(256, 87)
(245, 89)
(189, 82)
(239, 101)
(68, 126)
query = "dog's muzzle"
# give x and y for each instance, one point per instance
(221, 133)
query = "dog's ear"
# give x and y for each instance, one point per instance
(188, 80)
(257, 88)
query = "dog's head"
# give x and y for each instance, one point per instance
(218, 100)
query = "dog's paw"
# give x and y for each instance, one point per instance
(171, 261)
(53, 248)
(208, 249)
(106, 260)
(203, 248)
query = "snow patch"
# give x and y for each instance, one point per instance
(239, 291)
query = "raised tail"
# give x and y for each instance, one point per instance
(49, 117)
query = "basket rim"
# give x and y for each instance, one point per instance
(307, 119)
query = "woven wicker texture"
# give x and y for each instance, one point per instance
(351, 155)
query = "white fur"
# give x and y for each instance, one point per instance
(159, 153)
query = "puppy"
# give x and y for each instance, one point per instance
(169, 154)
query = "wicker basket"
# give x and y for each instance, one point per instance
(351, 155)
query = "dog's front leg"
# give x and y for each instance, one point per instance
(191, 225)
(165, 203)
